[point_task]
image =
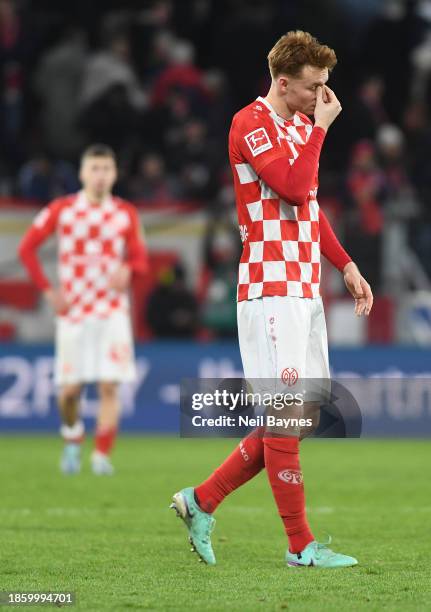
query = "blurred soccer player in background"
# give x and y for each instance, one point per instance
(274, 151)
(99, 248)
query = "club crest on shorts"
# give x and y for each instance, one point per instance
(290, 476)
(67, 368)
(120, 353)
(289, 376)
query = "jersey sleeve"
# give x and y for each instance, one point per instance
(137, 255)
(330, 246)
(255, 140)
(43, 226)
(260, 147)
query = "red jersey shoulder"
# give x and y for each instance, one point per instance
(253, 125)
(63, 201)
(48, 216)
(251, 116)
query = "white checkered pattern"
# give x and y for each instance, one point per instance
(281, 249)
(91, 246)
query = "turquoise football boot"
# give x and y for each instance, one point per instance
(101, 464)
(71, 459)
(199, 524)
(319, 555)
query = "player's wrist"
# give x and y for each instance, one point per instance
(350, 267)
(319, 123)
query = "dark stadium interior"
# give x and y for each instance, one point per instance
(159, 81)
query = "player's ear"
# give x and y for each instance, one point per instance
(283, 82)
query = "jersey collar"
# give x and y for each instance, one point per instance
(82, 202)
(274, 115)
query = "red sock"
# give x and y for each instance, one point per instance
(104, 439)
(242, 465)
(285, 477)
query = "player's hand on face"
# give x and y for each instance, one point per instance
(57, 300)
(327, 107)
(325, 96)
(120, 279)
(359, 288)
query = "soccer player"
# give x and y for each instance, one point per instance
(274, 150)
(99, 248)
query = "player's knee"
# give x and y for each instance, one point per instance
(108, 389)
(70, 392)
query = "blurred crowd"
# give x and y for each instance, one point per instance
(160, 80)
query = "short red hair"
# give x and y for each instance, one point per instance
(297, 49)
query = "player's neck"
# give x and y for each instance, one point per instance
(279, 105)
(95, 198)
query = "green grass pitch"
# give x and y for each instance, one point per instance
(114, 542)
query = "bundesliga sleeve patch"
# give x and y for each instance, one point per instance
(258, 141)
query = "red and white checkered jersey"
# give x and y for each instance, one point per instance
(93, 241)
(281, 250)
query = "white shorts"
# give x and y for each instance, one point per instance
(94, 350)
(283, 338)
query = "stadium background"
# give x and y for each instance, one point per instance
(159, 82)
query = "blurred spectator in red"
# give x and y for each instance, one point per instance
(361, 118)
(180, 75)
(365, 183)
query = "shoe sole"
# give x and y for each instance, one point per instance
(69, 469)
(301, 565)
(69, 472)
(180, 506)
